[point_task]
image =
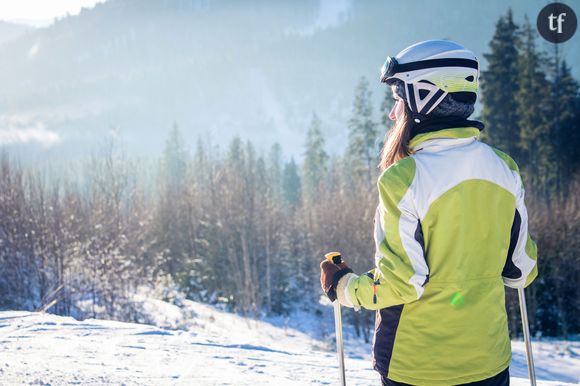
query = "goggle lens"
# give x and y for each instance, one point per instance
(388, 68)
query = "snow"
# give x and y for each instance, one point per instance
(212, 347)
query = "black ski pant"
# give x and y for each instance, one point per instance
(501, 379)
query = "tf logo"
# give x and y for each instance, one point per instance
(557, 22)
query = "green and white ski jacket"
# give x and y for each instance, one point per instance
(451, 230)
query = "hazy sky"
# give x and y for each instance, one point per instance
(41, 12)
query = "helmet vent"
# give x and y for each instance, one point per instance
(423, 93)
(470, 78)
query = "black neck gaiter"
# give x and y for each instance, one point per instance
(440, 123)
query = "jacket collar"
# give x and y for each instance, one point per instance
(427, 140)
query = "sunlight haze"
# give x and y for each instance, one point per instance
(41, 13)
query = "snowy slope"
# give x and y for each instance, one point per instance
(217, 349)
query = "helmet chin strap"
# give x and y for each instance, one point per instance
(421, 107)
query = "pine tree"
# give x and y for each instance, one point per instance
(291, 185)
(315, 158)
(499, 85)
(172, 217)
(386, 106)
(362, 142)
(275, 171)
(535, 144)
(175, 160)
(564, 122)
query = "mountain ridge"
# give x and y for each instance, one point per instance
(218, 68)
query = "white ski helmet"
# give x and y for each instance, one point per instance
(431, 70)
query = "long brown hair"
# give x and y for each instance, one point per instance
(396, 143)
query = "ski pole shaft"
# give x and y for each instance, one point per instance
(339, 341)
(336, 258)
(527, 339)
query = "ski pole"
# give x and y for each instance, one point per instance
(336, 258)
(527, 339)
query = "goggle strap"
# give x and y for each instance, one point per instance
(434, 63)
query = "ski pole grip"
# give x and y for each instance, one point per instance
(334, 257)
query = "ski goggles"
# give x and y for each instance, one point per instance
(389, 68)
(392, 67)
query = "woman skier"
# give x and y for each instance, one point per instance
(451, 229)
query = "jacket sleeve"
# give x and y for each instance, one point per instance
(521, 263)
(401, 271)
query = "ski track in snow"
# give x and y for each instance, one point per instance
(218, 348)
